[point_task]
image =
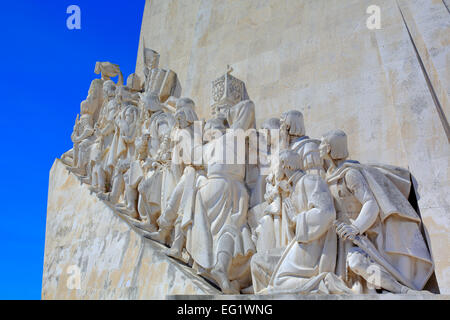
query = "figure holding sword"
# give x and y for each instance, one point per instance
(380, 244)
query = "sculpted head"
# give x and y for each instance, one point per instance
(185, 102)
(334, 145)
(131, 113)
(109, 89)
(289, 162)
(185, 116)
(214, 128)
(292, 121)
(85, 107)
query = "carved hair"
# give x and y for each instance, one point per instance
(185, 103)
(272, 123)
(294, 121)
(290, 160)
(187, 113)
(337, 140)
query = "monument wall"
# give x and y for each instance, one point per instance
(388, 89)
(91, 253)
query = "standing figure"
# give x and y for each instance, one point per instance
(127, 123)
(158, 179)
(82, 138)
(219, 238)
(118, 183)
(181, 199)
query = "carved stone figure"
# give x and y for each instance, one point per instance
(118, 183)
(300, 219)
(82, 138)
(160, 82)
(126, 122)
(98, 174)
(158, 180)
(219, 238)
(181, 198)
(380, 242)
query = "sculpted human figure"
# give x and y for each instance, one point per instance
(151, 61)
(104, 132)
(148, 105)
(118, 183)
(269, 126)
(158, 179)
(133, 177)
(98, 176)
(82, 138)
(127, 123)
(182, 198)
(308, 262)
(269, 231)
(380, 242)
(219, 238)
(292, 137)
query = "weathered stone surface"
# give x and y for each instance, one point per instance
(115, 261)
(388, 89)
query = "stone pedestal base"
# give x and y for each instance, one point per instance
(91, 253)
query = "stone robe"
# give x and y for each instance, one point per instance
(308, 262)
(396, 233)
(219, 220)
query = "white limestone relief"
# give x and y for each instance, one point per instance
(254, 210)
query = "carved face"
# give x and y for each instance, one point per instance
(324, 149)
(109, 89)
(129, 115)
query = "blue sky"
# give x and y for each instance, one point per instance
(48, 72)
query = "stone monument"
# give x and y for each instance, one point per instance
(331, 180)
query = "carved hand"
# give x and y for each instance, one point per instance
(346, 231)
(290, 209)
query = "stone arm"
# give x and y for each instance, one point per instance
(358, 186)
(129, 138)
(87, 132)
(318, 218)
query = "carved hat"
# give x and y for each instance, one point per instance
(227, 91)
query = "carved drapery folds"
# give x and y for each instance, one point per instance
(301, 218)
